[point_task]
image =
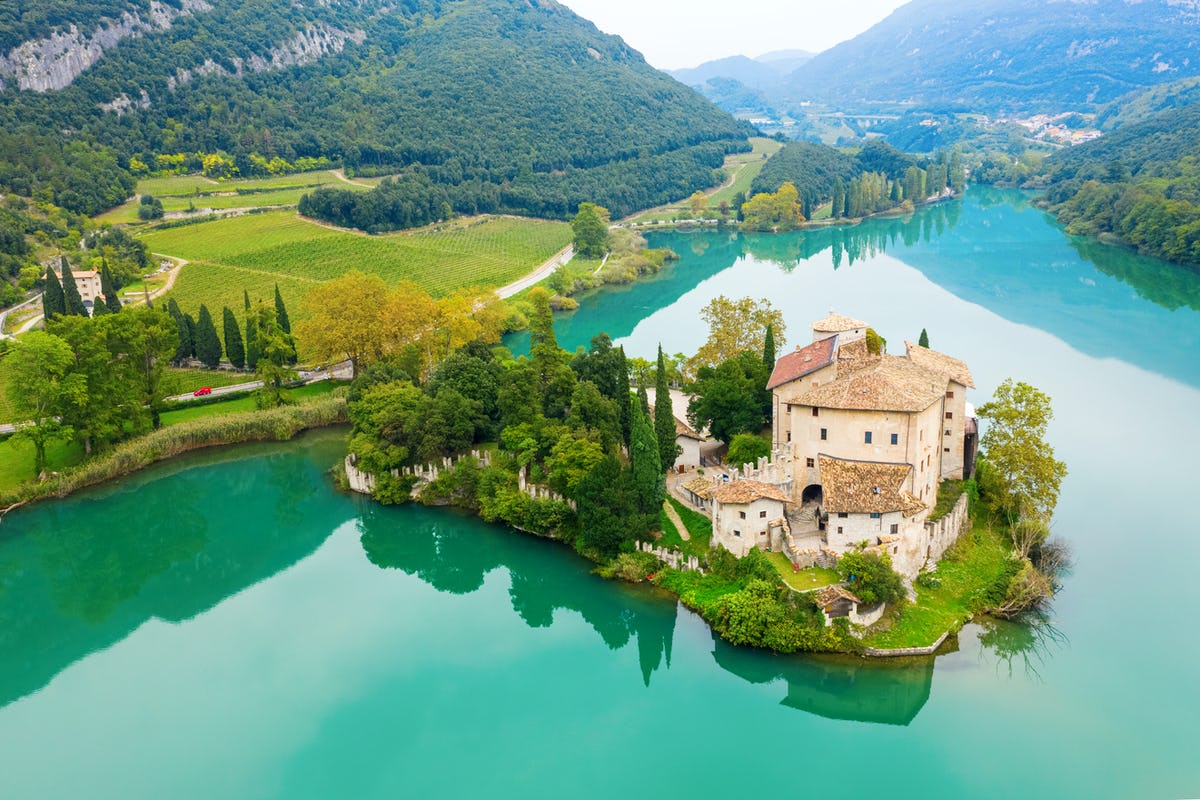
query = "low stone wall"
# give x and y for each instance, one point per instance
(945, 532)
(875, 652)
(359, 481)
(672, 558)
(867, 615)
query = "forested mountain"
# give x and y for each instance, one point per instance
(993, 55)
(1140, 183)
(514, 105)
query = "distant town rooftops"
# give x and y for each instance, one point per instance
(866, 487)
(802, 361)
(953, 368)
(837, 323)
(745, 491)
(889, 383)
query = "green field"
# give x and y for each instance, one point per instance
(16, 460)
(6, 414)
(256, 252)
(243, 403)
(183, 381)
(742, 168)
(181, 192)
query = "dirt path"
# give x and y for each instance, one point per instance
(340, 174)
(673, 515)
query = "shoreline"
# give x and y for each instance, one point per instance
(277, 424)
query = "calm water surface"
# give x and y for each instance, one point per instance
(229, 626)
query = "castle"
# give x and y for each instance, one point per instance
(862, 441)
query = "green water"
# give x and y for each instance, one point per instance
(229, 626)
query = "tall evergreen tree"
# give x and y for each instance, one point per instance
(625, 401)
(664, 417)
(233, 340)
(74, 302)
(251, 334)
(643, 402)
(54, 303)
(189, 322)
(769, 348)
(647, 467)
(281, 313)
(208, 344)
(108, 289)
(924, 340)
(99, 307)
(839, 198)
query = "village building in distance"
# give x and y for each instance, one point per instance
(862, 442)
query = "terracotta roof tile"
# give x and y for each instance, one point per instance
(866, 487)
(953, 368)
(830, 594)
(889, 383)
(745, 491)
(853, 351)
(837, 323)
(802, 361)
(700, 486)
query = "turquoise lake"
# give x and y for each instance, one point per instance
(227, 625)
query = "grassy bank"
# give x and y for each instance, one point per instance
(971, 573)
(277, 424)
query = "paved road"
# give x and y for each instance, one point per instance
(538, 275)
(4, 316)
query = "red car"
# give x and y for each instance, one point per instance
(202, 391)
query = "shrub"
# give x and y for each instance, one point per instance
(871, 577)
(632, 567)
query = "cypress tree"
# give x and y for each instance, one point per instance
(643, 400)
(74, 302)
(190, 324)
(647, 469)
(769, 349)
(233, 340)
(625, 400)
(924, 340)
(106, 286)
(281, 313)
(54, 303)
(839, 198)
(664, 417)
(185, 348)
(208, 345)
(99, 308)
(251, 334)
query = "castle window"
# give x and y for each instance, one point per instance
(839, 528)
(789, 436)
(808, 462)
(742, 514)
(948, 433)
(945, 449)
(895, 438)
(949, 395)
(867, 437)
(949, 415)
(842, 515)
(875, 515)
(737, 534)
(895, 528)
(816, 412)
(824, 434)
(762, 515)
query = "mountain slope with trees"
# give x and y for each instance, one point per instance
(1140, 184)
(994, 55)
(488, 105)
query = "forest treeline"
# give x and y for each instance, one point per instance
(1140, 183)
(497, 105)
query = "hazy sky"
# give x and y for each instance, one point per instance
(683, 33)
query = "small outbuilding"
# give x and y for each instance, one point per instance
(748, 514)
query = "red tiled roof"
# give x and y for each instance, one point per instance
(802, 361)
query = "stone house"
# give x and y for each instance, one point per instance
(696, 447)
(870, 437)
(748, 514)
(88, 283)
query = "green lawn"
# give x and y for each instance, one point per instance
(181, 192)
(699, 528)
(16, 460)
(257, 252)
(805, 579)
(967, 571)
(6, 413)
(243, 404)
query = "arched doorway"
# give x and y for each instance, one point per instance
(813, 493)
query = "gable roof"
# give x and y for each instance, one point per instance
(837, 323)
(866, 487)
(700, 486)
(886, 383)
(802, 361)
(830, 594)
(744, 491)
(951, 367)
